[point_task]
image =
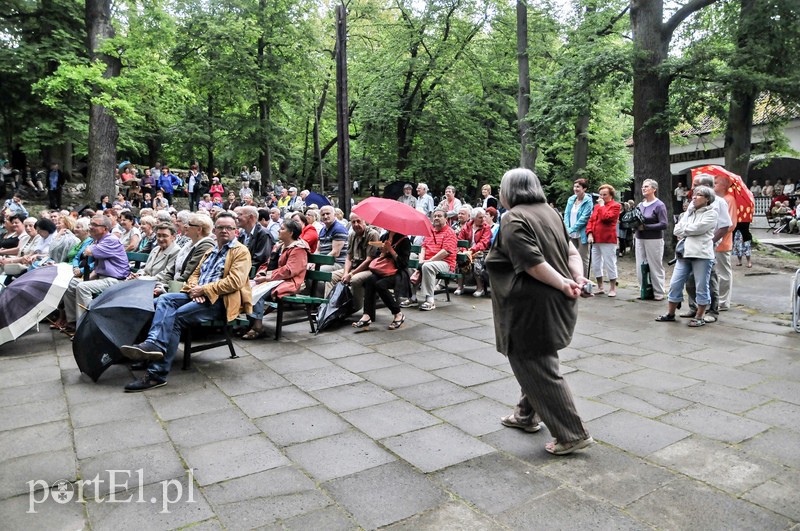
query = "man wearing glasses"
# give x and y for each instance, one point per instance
(110, 267)
(218, 289)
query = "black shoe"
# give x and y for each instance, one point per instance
(144, 351)
(139, 366)
(148, 381)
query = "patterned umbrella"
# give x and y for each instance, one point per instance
(745, 202)
(30, 298)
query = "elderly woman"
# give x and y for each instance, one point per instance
(601, 232)
(649, 240)
(576, 217)
(537, 277)
(40, 235)
(198, 229)
(389, 272)
(478, 233)
(63, 240)
(291, 270)
(695, 253)
(309, 234)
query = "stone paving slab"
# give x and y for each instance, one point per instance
(400, 429)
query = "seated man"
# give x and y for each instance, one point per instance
(110, 267)
(359, 254)
(253, 235)
(332, 238)
(438, 254)
(163, 254)
(218, 289)
(479, 235)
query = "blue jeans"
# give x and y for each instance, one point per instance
(701, 268)
(174, 311)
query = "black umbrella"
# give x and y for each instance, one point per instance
(115, 318)
(339, 306)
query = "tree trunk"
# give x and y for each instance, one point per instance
(527, 157)
(739, 129)
(650, 98)
(581, 149)
(210, 133)
(103, 130)
(342, 114)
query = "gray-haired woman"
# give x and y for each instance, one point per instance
(537, 276)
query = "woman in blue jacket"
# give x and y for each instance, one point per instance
(576, 216)
(167, 183)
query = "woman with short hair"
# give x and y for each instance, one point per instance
(601, 233)
(576, 217)
(291, 270)
(536, 276)
(695, 253)
(649, 239)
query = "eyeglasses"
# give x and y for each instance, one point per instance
(97, 225)
(194, 225)
(226, 228)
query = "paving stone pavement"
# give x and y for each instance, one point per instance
(696, 428)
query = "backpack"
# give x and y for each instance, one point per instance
(632, 219)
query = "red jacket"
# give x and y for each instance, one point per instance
(603, 223)
(291, 269)
(483, 238)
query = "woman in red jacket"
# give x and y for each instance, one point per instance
(601, 233)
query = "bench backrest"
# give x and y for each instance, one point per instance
(137, 260)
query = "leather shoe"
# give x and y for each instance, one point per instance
(146, 382)
(144, 351)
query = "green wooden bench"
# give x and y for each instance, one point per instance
(308, 302)
(447, 276)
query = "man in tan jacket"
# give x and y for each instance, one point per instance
(219, 288)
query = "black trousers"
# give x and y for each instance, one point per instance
(380, 286)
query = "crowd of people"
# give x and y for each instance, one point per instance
(208, 260)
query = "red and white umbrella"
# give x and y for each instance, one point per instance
(745, 202)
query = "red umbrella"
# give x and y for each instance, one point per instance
(745, 202)
(394, 216)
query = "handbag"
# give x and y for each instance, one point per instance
(680, 248)
(416, 277)
(383, 266)
(646, 290)
(632, 218)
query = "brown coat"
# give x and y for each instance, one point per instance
(233, 286)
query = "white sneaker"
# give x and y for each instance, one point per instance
(458, 292)
(479, 293)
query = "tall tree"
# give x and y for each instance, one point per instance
(652, 37)
(527, 157)
(103, 129)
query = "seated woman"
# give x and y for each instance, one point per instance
(104, 204)
(121, 201)
(198, 229)
(291, 270)
(131, 236)
(147, 224)
(389, 272)
(479, 235)
(63, 241)
(206, 203)
(38, 245)
(309, 233)
(696, 230)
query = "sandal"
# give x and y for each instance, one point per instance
(397, 323)
(612, 293)
(362, 323)
(512, 421)
(667, 317)
(254, 334)
(696, 323)
(559, 448)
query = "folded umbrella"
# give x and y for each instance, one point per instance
(745, 202)
(394, 216)
(30, 298)
(116, 317)
(339, 306)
